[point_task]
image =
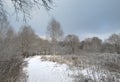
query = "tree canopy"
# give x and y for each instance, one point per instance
(23, 6)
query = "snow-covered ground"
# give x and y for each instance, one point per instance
(46, 71)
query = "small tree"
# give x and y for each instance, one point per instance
(86, 44)
(26, 38)
(114, 39)
(9, 56)
(72, 41)
(55, 33)
(96, 44)
(92, 44)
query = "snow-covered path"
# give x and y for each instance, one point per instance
(46, 71)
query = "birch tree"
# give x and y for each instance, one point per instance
(55, 33)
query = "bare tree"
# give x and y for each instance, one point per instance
(45, 47)
(86, 44)
(23, 6)
(55, 33)
(92, 44)
(26, 38)
(96, 44)
(9, 56)
(4, 25)
(72, 41)
(107, 47)
(114, 39)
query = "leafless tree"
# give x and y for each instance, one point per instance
(55, 33)
(9, 55)
(45, 47)
(107, 47)
(72, 41)
(23, 6)
(92, 44)
(4, 25)
(86, 44)
(26, 40)
(96, 43)
(114, 39)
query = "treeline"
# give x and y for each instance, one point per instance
(26, 42)
(72, 45)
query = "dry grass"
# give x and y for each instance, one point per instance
(101, 67)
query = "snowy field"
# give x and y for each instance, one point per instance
(44, 69)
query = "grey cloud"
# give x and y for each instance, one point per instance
(89, 15)
(96, 17)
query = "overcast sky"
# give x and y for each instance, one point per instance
(85, 18)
